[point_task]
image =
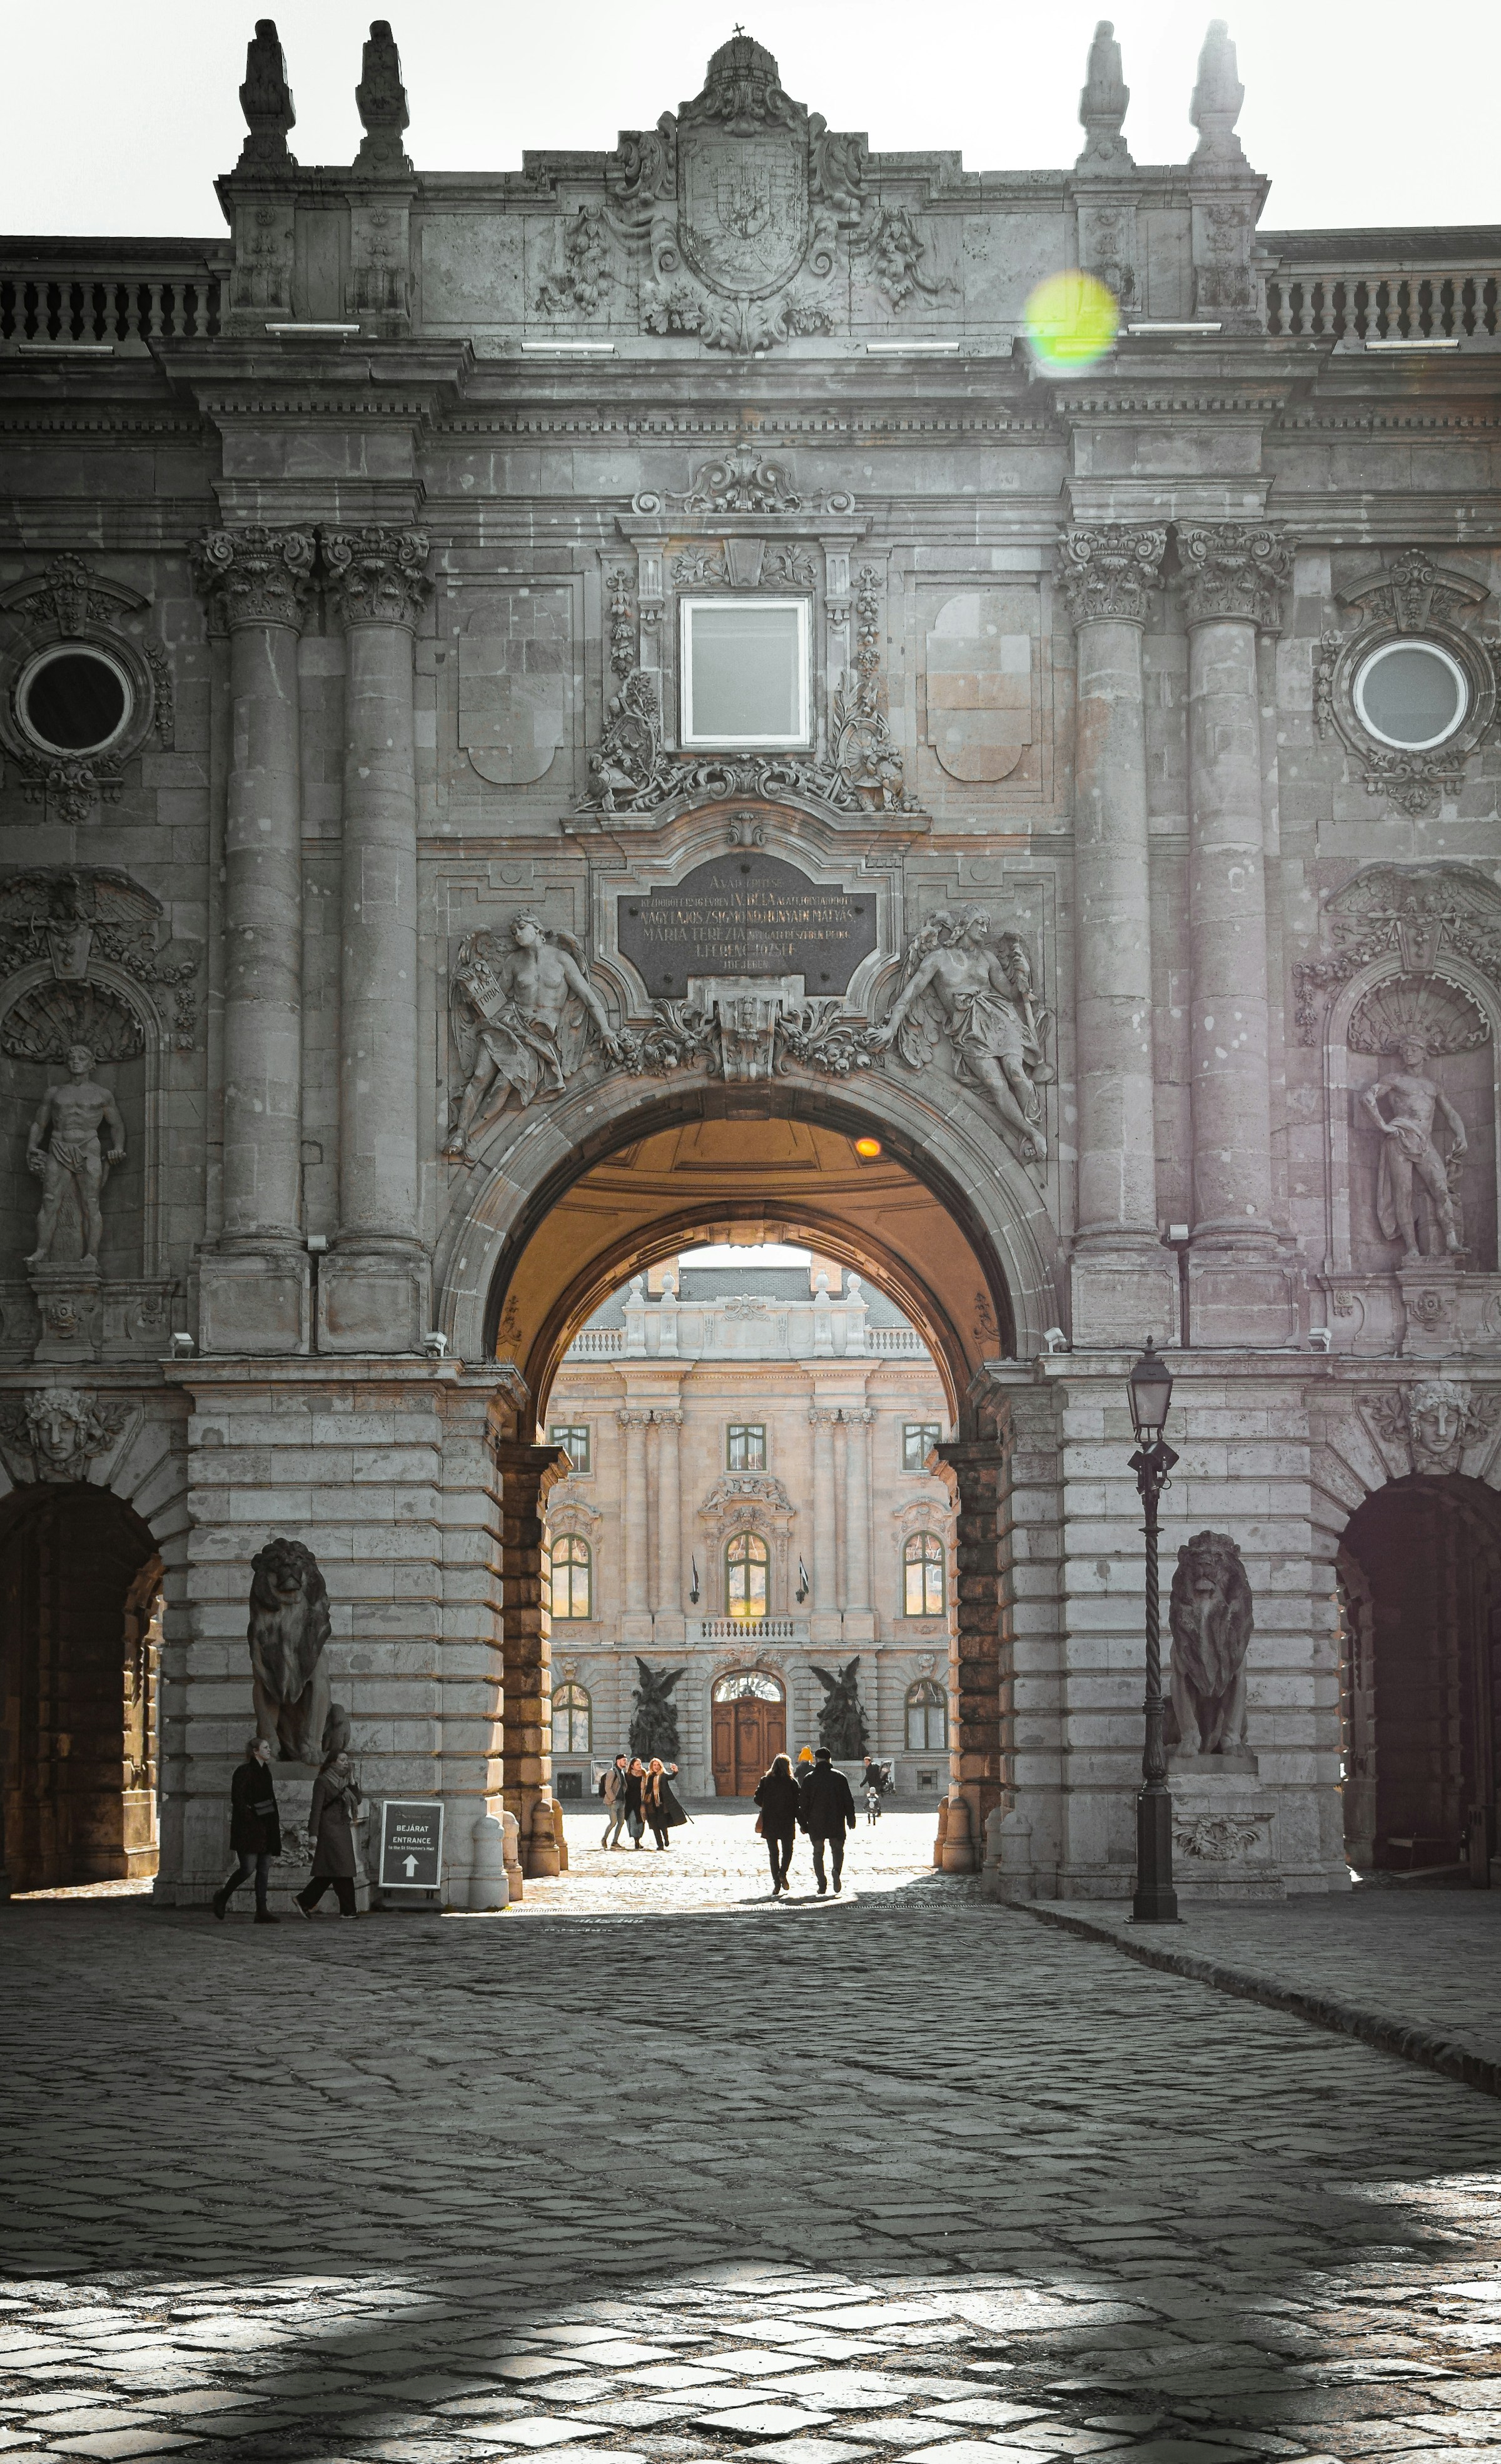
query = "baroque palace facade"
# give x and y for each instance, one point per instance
(554, 715)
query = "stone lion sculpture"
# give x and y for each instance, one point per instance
(289, 1627)
(1209, 1615)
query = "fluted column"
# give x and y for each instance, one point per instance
(856, 1520)
(668, 1601)
(259, 582)
(637, 1624)
(379, 586)
(1108, 577)
(825, 1618)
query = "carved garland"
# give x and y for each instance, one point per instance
(1412, 596)
(68, 601)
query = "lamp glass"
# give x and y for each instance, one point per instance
(1151, 1386)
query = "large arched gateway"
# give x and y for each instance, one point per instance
(535, 742)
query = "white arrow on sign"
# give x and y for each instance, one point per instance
(411, 1867)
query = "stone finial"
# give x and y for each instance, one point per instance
(266, 99)
(381, 100)
(1217, 98)
(1102, 104)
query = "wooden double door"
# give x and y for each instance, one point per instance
(747, 1734)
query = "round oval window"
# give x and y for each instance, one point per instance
(74, 701)
(1412, 695)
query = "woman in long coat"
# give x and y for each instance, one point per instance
(635, 1783)
(658, 1803)
(254, 1828)
(330, 1817)
(778, 1797)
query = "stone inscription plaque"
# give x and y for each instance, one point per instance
(746, 915)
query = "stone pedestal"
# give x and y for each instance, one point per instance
(1241, 1299)
(1225, 1829)
(69, 1302)
(254, 1301)
(1123, 1298)
(372, 1301)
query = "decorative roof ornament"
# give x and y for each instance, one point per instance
(265, 100)
(381, 100)
(1102, 106)
(1217, 99)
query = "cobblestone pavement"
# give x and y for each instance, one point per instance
(1428, 1959)
(691, 2176)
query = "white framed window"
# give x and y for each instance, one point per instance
(1413, 695)
(744, 661)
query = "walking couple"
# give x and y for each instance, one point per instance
(637, 1793)
(820, 1805)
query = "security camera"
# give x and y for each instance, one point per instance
(182, 1346)
(1055, 1339)
(1320, 1338)
(435, 1345)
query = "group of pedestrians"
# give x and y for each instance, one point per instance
(638, 1795)
(819, 1805)
(255, 1833)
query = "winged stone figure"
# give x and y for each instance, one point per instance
(654, 1721)
(521, 1019)
(841, 1721)
(958, 983)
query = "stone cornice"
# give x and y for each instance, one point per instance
(378, 577)
(1233, 570)
(1109, 573)
(256, 575)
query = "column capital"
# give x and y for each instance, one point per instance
(1233, 570)
(1109, 572)
(378, 577)
(666, 1419)
(257, 576)
(630, 1418)
(822, 1416)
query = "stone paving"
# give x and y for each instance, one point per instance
(653, 2169)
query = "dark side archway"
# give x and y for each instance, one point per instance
(1420, 1586)
(80, 1585)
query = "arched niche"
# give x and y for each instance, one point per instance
(1453, 993)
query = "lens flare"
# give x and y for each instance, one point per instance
(868, 1147)
(1072, 322)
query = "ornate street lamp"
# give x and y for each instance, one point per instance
(1156, 1902)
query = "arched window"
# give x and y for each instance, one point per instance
(572, 1720)
(573, 1577)
(747, 1562)
(923, 1584)
(748, 1686)
(927, 1718)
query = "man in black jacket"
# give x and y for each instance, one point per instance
(826, 1811)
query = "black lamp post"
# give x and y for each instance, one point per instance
(1156, 1901)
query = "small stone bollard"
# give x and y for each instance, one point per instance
(543, 1860)
(1007, 1854)
(958, 1842)
(514, 1877)
(489, 1887)
(558, 1836)
(942, 1830)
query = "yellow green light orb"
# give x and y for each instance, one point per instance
(1072, 322)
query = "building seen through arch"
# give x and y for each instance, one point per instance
(751, 1497)
(540, 733)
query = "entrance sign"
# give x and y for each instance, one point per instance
(748, 914)
(411, 1843)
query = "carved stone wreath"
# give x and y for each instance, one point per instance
(1218, 1839)
(69, 602)
(1412, 597)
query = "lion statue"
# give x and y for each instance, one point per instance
(1210, 1618)
(288, 1629)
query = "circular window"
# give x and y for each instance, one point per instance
(74, 701)
(1412, 693)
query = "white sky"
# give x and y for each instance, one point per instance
(121, 112)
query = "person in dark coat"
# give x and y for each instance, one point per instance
(658, 1803)
(778, 1798)
(331, 1817)
(826, 1811)
(635, 1782)
(254, 1828)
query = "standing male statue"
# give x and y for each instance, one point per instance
(69, 1121)
(1408, 1151)
(507, 1014)
(985, 995)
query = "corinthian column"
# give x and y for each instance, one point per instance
(258, 581)
(824, 1619)
(668, 1604)
(1108, 576)
(375, 1278)
(1233, 589)
(636, 1624)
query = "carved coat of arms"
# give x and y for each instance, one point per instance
(742, 211)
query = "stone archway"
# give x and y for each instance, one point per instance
(80, 1581)
(1419, 1573)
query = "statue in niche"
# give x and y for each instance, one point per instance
(841, 1721)
(654, 1721)
(1209, 1615)
(62, 1148)
(1409, 1156)
(288, 1628)
(979, 993)
(509, 1008)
